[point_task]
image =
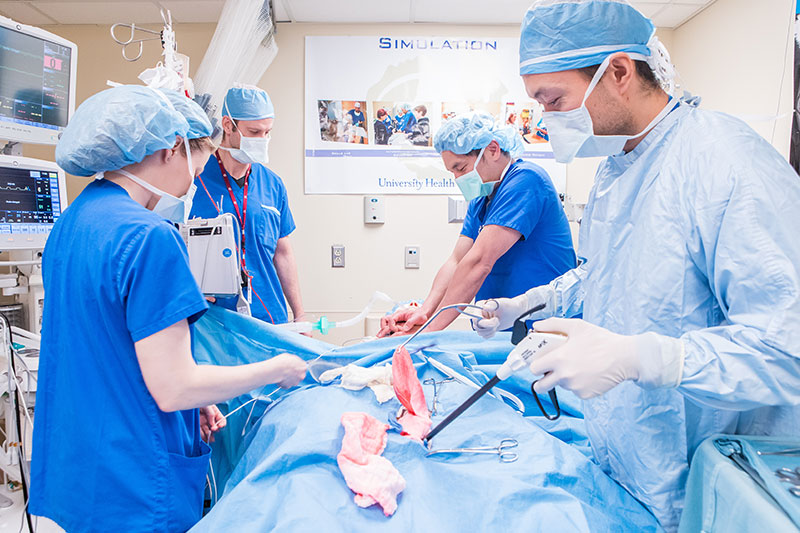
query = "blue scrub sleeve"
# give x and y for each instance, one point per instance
(287, 220)
(471, 225)
(517, 206)
(747, 226)
(155, 283)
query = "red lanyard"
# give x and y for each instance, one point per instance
(240, 215)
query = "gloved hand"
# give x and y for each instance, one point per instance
(595, 360)
(402, 321)
(500, 313)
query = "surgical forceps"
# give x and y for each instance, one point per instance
(436, 389)
(445, 308)
(787, 475)
(501, 450)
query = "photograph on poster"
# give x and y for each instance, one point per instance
(343, 121)
(401, 123)
(527, 117)
(451, 109)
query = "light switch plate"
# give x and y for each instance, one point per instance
(412, 257)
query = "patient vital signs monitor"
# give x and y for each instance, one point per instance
(32, 197)
(37, 83)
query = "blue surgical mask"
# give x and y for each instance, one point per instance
(572, 132)
(471, 184)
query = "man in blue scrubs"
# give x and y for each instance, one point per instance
(117, 444)
(515, 235)
(235, 180)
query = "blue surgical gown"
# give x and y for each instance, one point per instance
(693, 235)
(105, 457)
(268, 219)
(525, 201)
(405, 122)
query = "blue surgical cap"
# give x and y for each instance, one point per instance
(118, 127)
(473, 131)
(246, 102)
(199, 125)
(559, 35)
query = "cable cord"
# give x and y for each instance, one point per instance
(16, 399)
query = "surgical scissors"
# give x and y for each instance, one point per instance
(445, 308)
(787, 475)
(501, 450)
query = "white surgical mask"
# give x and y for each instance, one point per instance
(168, 206)
(251, 149)
(572, 132)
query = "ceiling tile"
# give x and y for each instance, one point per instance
(196, 11)
(352, 11)
(86, 12)
(461, 12)
(675, 15)
(651, 10)
(24, 13)
(281, 13)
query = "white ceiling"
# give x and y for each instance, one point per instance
(665, 13)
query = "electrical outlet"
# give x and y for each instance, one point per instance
(337, 256)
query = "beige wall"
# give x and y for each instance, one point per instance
(731, 53)
(738, 55)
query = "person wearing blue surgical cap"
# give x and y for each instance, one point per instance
(116, 328)
(236, 180)
(515, 234)
(689, 283)
(404, 119)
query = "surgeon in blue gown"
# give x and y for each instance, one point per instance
(122, 408)
(515, 235)
(236, 180)
(689, 283)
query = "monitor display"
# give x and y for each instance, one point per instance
(32, 197)
(36, 84)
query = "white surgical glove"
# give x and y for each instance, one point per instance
(500, 313)
(595, 360)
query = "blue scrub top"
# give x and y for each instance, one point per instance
(358, 118)
(406, 122)
(105, 457)
(525, 201)
(268, 219)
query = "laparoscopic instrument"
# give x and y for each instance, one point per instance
(526, 347)
(461, 308)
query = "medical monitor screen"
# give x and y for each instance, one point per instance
(29, 200)
(34, 80)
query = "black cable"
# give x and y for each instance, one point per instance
(20, 451)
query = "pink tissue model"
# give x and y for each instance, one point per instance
(372, 477)
(415, 417)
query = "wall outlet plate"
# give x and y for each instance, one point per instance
(337, 256)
